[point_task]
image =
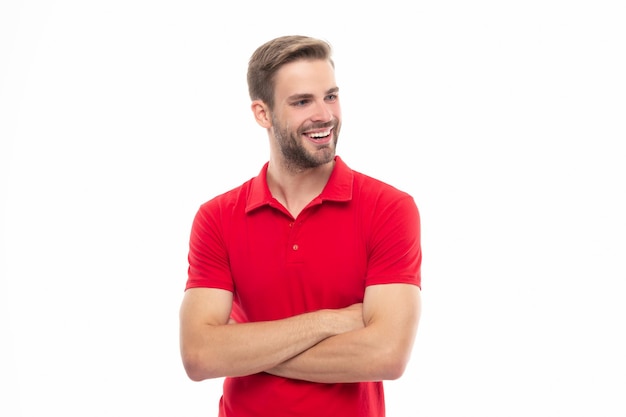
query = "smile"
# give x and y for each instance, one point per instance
(319, 135)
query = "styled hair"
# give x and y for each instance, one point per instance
(271, 56)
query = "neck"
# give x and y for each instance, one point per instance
(295, 189)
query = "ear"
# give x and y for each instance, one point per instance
(261, 113)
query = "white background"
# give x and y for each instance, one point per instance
(505, 121)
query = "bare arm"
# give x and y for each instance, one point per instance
(211, 348)
(379, 351)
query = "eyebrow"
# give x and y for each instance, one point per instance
(304, 96)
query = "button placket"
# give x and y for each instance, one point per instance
(292, 244)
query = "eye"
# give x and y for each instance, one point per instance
(332, 97)
(300, 103)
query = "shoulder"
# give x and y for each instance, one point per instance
(385, 204)
(226, 202)
(375, 190)
(362, 186)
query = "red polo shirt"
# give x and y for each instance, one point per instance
(358, 232)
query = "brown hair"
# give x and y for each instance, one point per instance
(272, 55)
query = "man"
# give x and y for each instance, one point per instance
(304, 283)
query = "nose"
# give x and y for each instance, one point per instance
(322, 112)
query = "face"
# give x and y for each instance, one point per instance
(307, 117)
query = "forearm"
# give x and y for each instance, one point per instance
(243, 349)
(349, 357)
(379, 351)
(212, 350)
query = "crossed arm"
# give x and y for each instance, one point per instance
(363, 342)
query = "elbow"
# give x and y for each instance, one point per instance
(193, 374)
(392, 370)
(193, 368)
(396, 370)
(196, 368)
(392, 365)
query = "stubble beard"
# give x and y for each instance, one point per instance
(296, 156)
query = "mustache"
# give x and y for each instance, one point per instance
(332, 123)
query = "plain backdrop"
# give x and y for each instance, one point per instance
(504, 120)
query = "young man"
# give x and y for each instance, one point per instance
(304, 283)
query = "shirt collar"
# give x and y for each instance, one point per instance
(338, 187)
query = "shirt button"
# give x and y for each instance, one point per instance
(295, 247)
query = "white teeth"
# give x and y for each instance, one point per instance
(320, 134)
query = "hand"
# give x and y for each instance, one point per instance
(342, 320)
(348, 319)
